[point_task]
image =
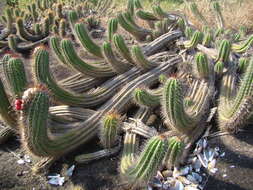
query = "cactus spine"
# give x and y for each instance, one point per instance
(112, 28)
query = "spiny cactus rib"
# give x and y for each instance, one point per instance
(7, 113)
(128, 24)
(224, 52)
(24, 34)
(219, 67)
(202, 65)
(148, 162)
(147, 98)
(241, 48)
(140, 59)
(112, 28)
(87, 69)
(55, 44)
(109, 130)
(118, 65)
(207, 39)
(137, 4)
(232, 115)
(86, 41)
(146, 15)
(37, 29)
(173, 107)
(9, 19)
(175, 147)
(188, 32)
(195, 40)
(73, 18)
(243, 64)
(122, 48)
(217, 10)
(14, 71)
(130, 6)
(35, 132)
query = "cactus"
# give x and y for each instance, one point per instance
(72, 18)
(129, 25)
(147, 98)
(241, 48)
(87, 69)
(223, 56)
(5, 134)
(118, 65)
(195, 40)
(109, 130)
(217, 11)
(112, 28)
(159, 12)
(15, 75)
(233, 114)
(140, 59)
(203, 68)
(208, 38)
(62, 28)
(122, 48)
(243, 64)
(148, 162)
(146, 15)
(86, 41)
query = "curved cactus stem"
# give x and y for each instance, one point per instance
(140, 60)
(112, 28)
(146, 15)
(96, 70)
(85, 40)
(91, 99)
(203, 67)
(24, 34)
(241, 48)
(118, 65)
(188, 32)
(72, 18)
(243, 64)
(35, 128)
(23, 48)
(148, 162)
(233, 114)
(207, 40)
(195, 40)
(122, 48)
(129, 25)
(109, 130)
(15, 75)
(55, 44)
(149, 98)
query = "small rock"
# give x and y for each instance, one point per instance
(167, 173)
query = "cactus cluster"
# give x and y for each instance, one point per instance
(117, 85)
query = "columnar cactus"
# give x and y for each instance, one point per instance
(194, 41)
(112, 28)
(241, 48)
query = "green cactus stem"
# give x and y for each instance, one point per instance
(175, 149)
(112, 28)
(178, 117)
(9, 19)
(118, 65)
(195, 40)
(223, 56)
(149, 161)
(241, 48)
(203, 68)
(129, 25)
(85, 40)
(62, 28)
(96, 71)
(188, 32)
(15, 75)
(37, 29)
(72, 18)
(109, 130)
(140, 60)
(233, 114)
(24, 34)
(218, 14)
(207, 40)
(121, 47)
(34, 128)
(149, 98)
(130, 6)
(243, 64)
